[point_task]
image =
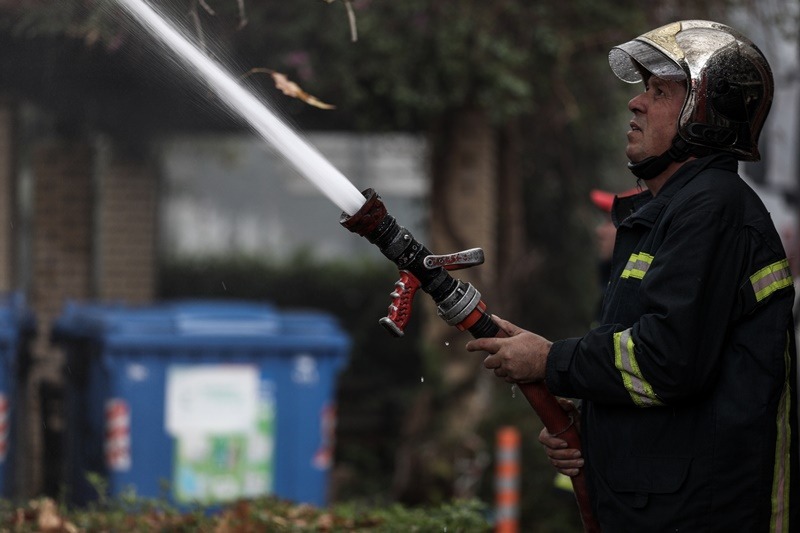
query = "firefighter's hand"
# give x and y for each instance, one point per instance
(567, 461)
(520, 357)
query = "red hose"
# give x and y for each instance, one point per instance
(557, 422)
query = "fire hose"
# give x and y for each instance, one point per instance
(460, 305)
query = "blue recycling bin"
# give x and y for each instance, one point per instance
(17, 326)
(199, 402)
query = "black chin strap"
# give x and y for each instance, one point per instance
(652, 166)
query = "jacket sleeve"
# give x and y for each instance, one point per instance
(671, 351)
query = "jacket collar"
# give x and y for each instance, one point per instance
(645, 207)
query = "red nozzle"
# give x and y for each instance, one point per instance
(366, 219)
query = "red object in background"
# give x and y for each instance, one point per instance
(506, 480)
(604, 199)
(118, 435)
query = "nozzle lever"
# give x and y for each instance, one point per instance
(456, 261)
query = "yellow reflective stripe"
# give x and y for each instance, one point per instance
(637, 266)
(780, 477)
(640, 390)
(771, 278)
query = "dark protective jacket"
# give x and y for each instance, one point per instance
(689, 415)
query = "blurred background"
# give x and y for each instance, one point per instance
(125, 182)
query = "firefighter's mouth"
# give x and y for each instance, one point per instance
(635, 127)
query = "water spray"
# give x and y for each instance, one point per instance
(301, 155)
(458, 303)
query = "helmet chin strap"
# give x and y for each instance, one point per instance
(653, 166)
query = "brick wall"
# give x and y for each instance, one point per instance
(61, 247)
(126, 230)
(92, 237)
(94, 226)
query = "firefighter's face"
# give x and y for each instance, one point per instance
(655, 118)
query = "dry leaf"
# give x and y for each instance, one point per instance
(290, 88)
(48, 519)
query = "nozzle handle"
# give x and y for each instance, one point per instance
(399, 312)
(455, 261)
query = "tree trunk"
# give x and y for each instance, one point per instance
(475, 202)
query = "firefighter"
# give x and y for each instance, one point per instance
(688, 386)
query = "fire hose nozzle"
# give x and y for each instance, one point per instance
(455, 307)
(458, 303)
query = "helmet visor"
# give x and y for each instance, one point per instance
(628, 59)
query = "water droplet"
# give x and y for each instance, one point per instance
(447, 344)
(513, 391)
(224, 288)
(422, 379)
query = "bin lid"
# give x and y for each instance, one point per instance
(199, 323)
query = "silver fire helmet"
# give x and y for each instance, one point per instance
(729, 81)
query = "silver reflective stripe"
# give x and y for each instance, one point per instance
(637, 266)
(505, 513)
(779, 521)
(502, 484)
(771, 278)
(507, 454)
(640, 390)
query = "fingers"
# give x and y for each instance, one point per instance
(566, 404)
(570, 466)
(494, 364)
(551, 444)
(493, 344)
(488, 344)
(566, 460)
(571, 472)
(520, 357)
(571, 409)
(509, 328)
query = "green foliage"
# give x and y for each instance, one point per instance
(92, 22)
(417, 59)
(264, 514)
(413, 60)
(466, 516)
